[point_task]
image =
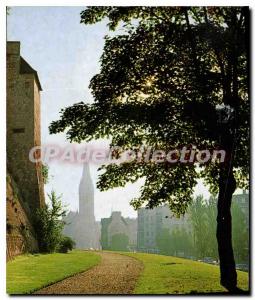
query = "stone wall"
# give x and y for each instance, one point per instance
(20, 235)
(25, 187)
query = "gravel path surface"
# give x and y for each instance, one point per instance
(116, 274)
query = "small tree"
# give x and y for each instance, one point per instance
(48, 224)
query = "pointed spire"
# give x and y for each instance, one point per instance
(86, 176)
(86, 169)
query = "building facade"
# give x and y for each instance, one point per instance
(150, 224)
(117, 225)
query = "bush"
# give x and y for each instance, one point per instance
(66, 244)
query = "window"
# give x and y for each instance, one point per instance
(18, 130)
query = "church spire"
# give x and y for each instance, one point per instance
(86, 193)
(86, 171)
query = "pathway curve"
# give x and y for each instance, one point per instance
(116, 274)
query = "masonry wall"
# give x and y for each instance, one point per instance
(23, 129)
(20, 235)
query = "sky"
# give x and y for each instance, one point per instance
(66, 55)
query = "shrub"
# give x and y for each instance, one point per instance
(66, 244)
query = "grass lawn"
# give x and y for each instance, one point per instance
(28, 273)
(172, 275)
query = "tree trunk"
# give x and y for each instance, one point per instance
(227, 186)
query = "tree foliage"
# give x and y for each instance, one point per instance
(164, 74)
(201, 241)
(240, 234)
(202, 216)
(48, 224)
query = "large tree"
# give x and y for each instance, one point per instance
(172, 76)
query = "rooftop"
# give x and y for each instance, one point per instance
(13, 48)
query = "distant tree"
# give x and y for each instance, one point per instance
(48, 224)
(173, 76)
(164, 242)
(119, 242)
(240, 234)
(199, 226)
(203, 214)
(184, 243)
(210, 210)
(174, 242)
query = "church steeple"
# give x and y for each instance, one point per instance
(83, 227)
(86, 194)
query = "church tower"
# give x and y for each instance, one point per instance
(82, 225)
(23, 126)
(87, 233)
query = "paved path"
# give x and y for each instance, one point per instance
(116, 274)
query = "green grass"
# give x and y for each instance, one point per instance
(172, 275)
(28, 273)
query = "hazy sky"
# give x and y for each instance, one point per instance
(66, 55)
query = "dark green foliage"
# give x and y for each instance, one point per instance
(66, 244)
(48, 224)
(159, 85)
(119, 242)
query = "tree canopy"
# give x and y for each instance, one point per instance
(169, 76)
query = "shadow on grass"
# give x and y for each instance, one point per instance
(170, 263)
(238, 293)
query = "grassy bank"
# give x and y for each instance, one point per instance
(28, 273)
(172, 275)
